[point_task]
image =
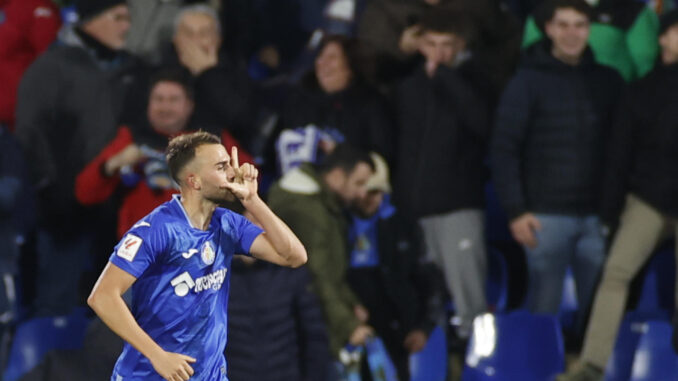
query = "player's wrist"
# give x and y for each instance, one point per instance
(251, 201)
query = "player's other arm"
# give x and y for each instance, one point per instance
(106, 300)
(278, 244)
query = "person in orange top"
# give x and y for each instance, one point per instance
(134, 161)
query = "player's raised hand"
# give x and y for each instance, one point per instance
(244, 184)
(173, 366)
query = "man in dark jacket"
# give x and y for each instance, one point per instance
(401, 293)
(69, 103)
(275, 326)
(642, 181)
(443, 130)
(547, 156)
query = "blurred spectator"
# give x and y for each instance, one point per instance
(623, 35)
(276, 329)
(443, 131)
(400, 293)
(151, 29)
(337, 101)
(643, 169)
(391, 30)
(311, 200)
(69, 103)
(135, 159)
(27, 27)
(224, 95)
(16, 219)
(548, 153)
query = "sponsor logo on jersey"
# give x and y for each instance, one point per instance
(211, 281)
(129, 247)
(207, 254)
(184, 283)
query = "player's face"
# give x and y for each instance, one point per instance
(169, 108)
(213, 168)
(569, 31)
(354, 184)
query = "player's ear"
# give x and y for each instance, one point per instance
(193, 181)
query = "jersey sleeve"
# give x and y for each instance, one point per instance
(242, 231)
(138, 249)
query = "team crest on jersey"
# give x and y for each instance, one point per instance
(207, 254)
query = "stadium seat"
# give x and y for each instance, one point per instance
(631, 329)
(514, 346)
(658, 284)
(35, 337)
(430, 364)
(655, 359)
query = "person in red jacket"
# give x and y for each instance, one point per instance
(135, 160)
(27, 27)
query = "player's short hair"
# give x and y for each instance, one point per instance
(181, 150)
(346, 157)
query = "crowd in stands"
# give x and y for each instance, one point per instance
(401, 140)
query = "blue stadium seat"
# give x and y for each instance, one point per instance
(514, 346)
(655, 359)
(430, 364)
(658, 284)
(631, 329)
(35, 337)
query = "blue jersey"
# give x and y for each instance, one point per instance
(181, 291)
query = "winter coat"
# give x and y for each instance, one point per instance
(276, 329)
(443, 130)
(70, 100)
(314, 213)
(549, 138)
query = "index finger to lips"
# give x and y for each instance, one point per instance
(234, 157)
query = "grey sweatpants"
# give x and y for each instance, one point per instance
(642, 228)
(455, 242)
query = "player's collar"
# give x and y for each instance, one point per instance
(176, 198)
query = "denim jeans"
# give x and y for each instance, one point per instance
(564, 241)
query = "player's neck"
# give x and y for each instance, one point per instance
(198, 210)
